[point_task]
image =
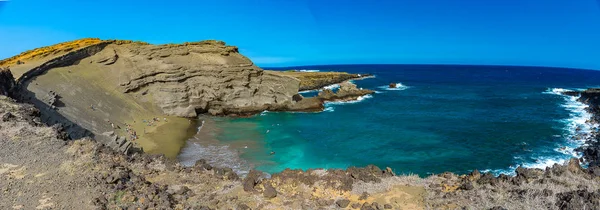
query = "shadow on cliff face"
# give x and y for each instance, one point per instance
(50, 115)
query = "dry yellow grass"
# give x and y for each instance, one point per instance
(49, 50)
(57, 49)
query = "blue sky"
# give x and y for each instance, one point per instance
(561, 33)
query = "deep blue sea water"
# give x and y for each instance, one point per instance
(441, 118)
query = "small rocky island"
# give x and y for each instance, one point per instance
(61, 148)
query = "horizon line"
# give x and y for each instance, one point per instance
(422, 64)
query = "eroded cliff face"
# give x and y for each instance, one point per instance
(193, 78)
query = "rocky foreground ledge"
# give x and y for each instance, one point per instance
(40, 169)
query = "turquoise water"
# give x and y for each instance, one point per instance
(441, 118)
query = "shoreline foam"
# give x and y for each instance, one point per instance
(578, 128)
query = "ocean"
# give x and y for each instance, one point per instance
(439, 118)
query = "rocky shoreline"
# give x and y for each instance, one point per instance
(591, 149)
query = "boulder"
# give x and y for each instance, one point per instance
(574, 167)
(392, 85)
(269, 191)
(343, 203)
(529, 173)
(7, 82)
(251, 180)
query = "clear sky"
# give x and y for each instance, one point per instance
(561, 33)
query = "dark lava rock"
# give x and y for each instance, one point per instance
(7, 82)
(251, 180)
(363, 196)
(547, 192)
(324, 202)
(392, 85)
(503, 178)
(466, 186)
(571, 93)
(343, 203)
(203, 165)
(579, 199)
(226, 173)
(355, 205)
(377, 206)
(388, 206)
(368, 174)
(61, 133)
(297, 97)
(269, 191)
(475, 175)
(487, 178)
(594, 171)
(574, 166)
(242, 206)
(498, 208)
(8, 116)
(367, 206)
(558, 169)
(529, 173)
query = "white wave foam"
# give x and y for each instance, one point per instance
(263, 113)
(556, 91)
(308, 91)
(200, 127)
(309, 70)
(359, 99)
(329, 109)
(399, 86)
(577, 129)
(216, 155)
(332, 87)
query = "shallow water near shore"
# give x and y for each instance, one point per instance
(437, 119)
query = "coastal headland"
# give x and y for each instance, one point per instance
(125, 91)
(76, 116)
